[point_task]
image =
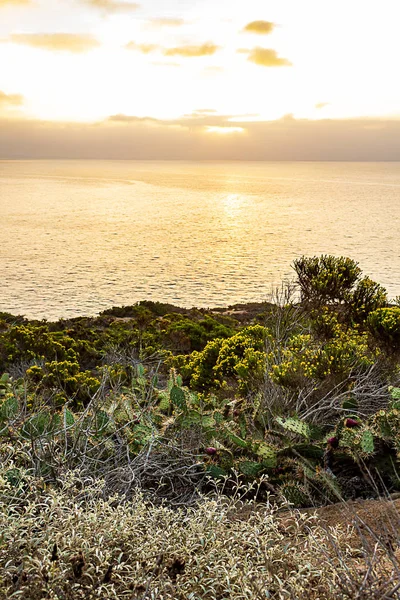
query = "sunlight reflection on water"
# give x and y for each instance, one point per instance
(80, 236)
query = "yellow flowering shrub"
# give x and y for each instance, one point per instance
(307, 358)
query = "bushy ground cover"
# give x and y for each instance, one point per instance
(69, 542)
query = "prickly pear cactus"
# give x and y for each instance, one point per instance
(218, 417)
(367, 442)
(305, 450)
(8, 409)
(164, 402)
(381, 424)
(235, 439)
(359, 443)
(177, 397)
(4, 384)
(41, 424)
(295, 426)
(250, 469)
(216, 472)
(395, 395)
(267, 454)
(295, 493)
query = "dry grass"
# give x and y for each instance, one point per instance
(71, 543)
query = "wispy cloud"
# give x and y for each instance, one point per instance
(204, 111)
(13, 2)
(266, 57)
(113, 6)
(207, 49)
(143, 48)
(260, 27)
(166, 22)
(10, 100)
(59, 42)
(202, 119)
(188, 51)
(321, 105)
(121, 118)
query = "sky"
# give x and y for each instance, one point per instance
(242, 79)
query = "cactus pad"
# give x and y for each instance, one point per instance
(177, 397)
(295, 494)
(295, 426)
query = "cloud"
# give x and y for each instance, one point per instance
(60, 42)
(185, 51)
(260, 27)
(207, 49)
(10, 100)
(198, 120)
(121, 118)
(113, 6)
(321, 105)
(130, 137)
(204, 111)
(143, 48)
(266, 57)
(13, 2)
(166, 22)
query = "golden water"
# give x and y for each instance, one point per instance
(80, 236)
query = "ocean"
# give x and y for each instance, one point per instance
(81, 236)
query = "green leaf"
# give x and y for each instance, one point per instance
(142, 433)
(295, 426)
(192, 417)
(140, 370)
(37, 426)
(4, 379)
(177, 396)
(9, 409)
(236, 439)
(102, 420)
(216, 472)
(350, 404)
(251, 469)
(14, 477)
(367, 442)
(69, 417)
(164, 402)
(267, 454)
(219, 417)
(207, 421)
(308, 450)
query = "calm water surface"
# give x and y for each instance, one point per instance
(80, 236)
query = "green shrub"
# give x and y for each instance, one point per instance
(330, 280)
(367, 297)
(326, 279)
(384, 324)
(66, 376)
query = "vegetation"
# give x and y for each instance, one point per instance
(297, 400)
(70, 543)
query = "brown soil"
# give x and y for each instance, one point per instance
(372, 519)
(375, 514)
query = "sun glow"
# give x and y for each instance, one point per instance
(224, 130)
(92, 59)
